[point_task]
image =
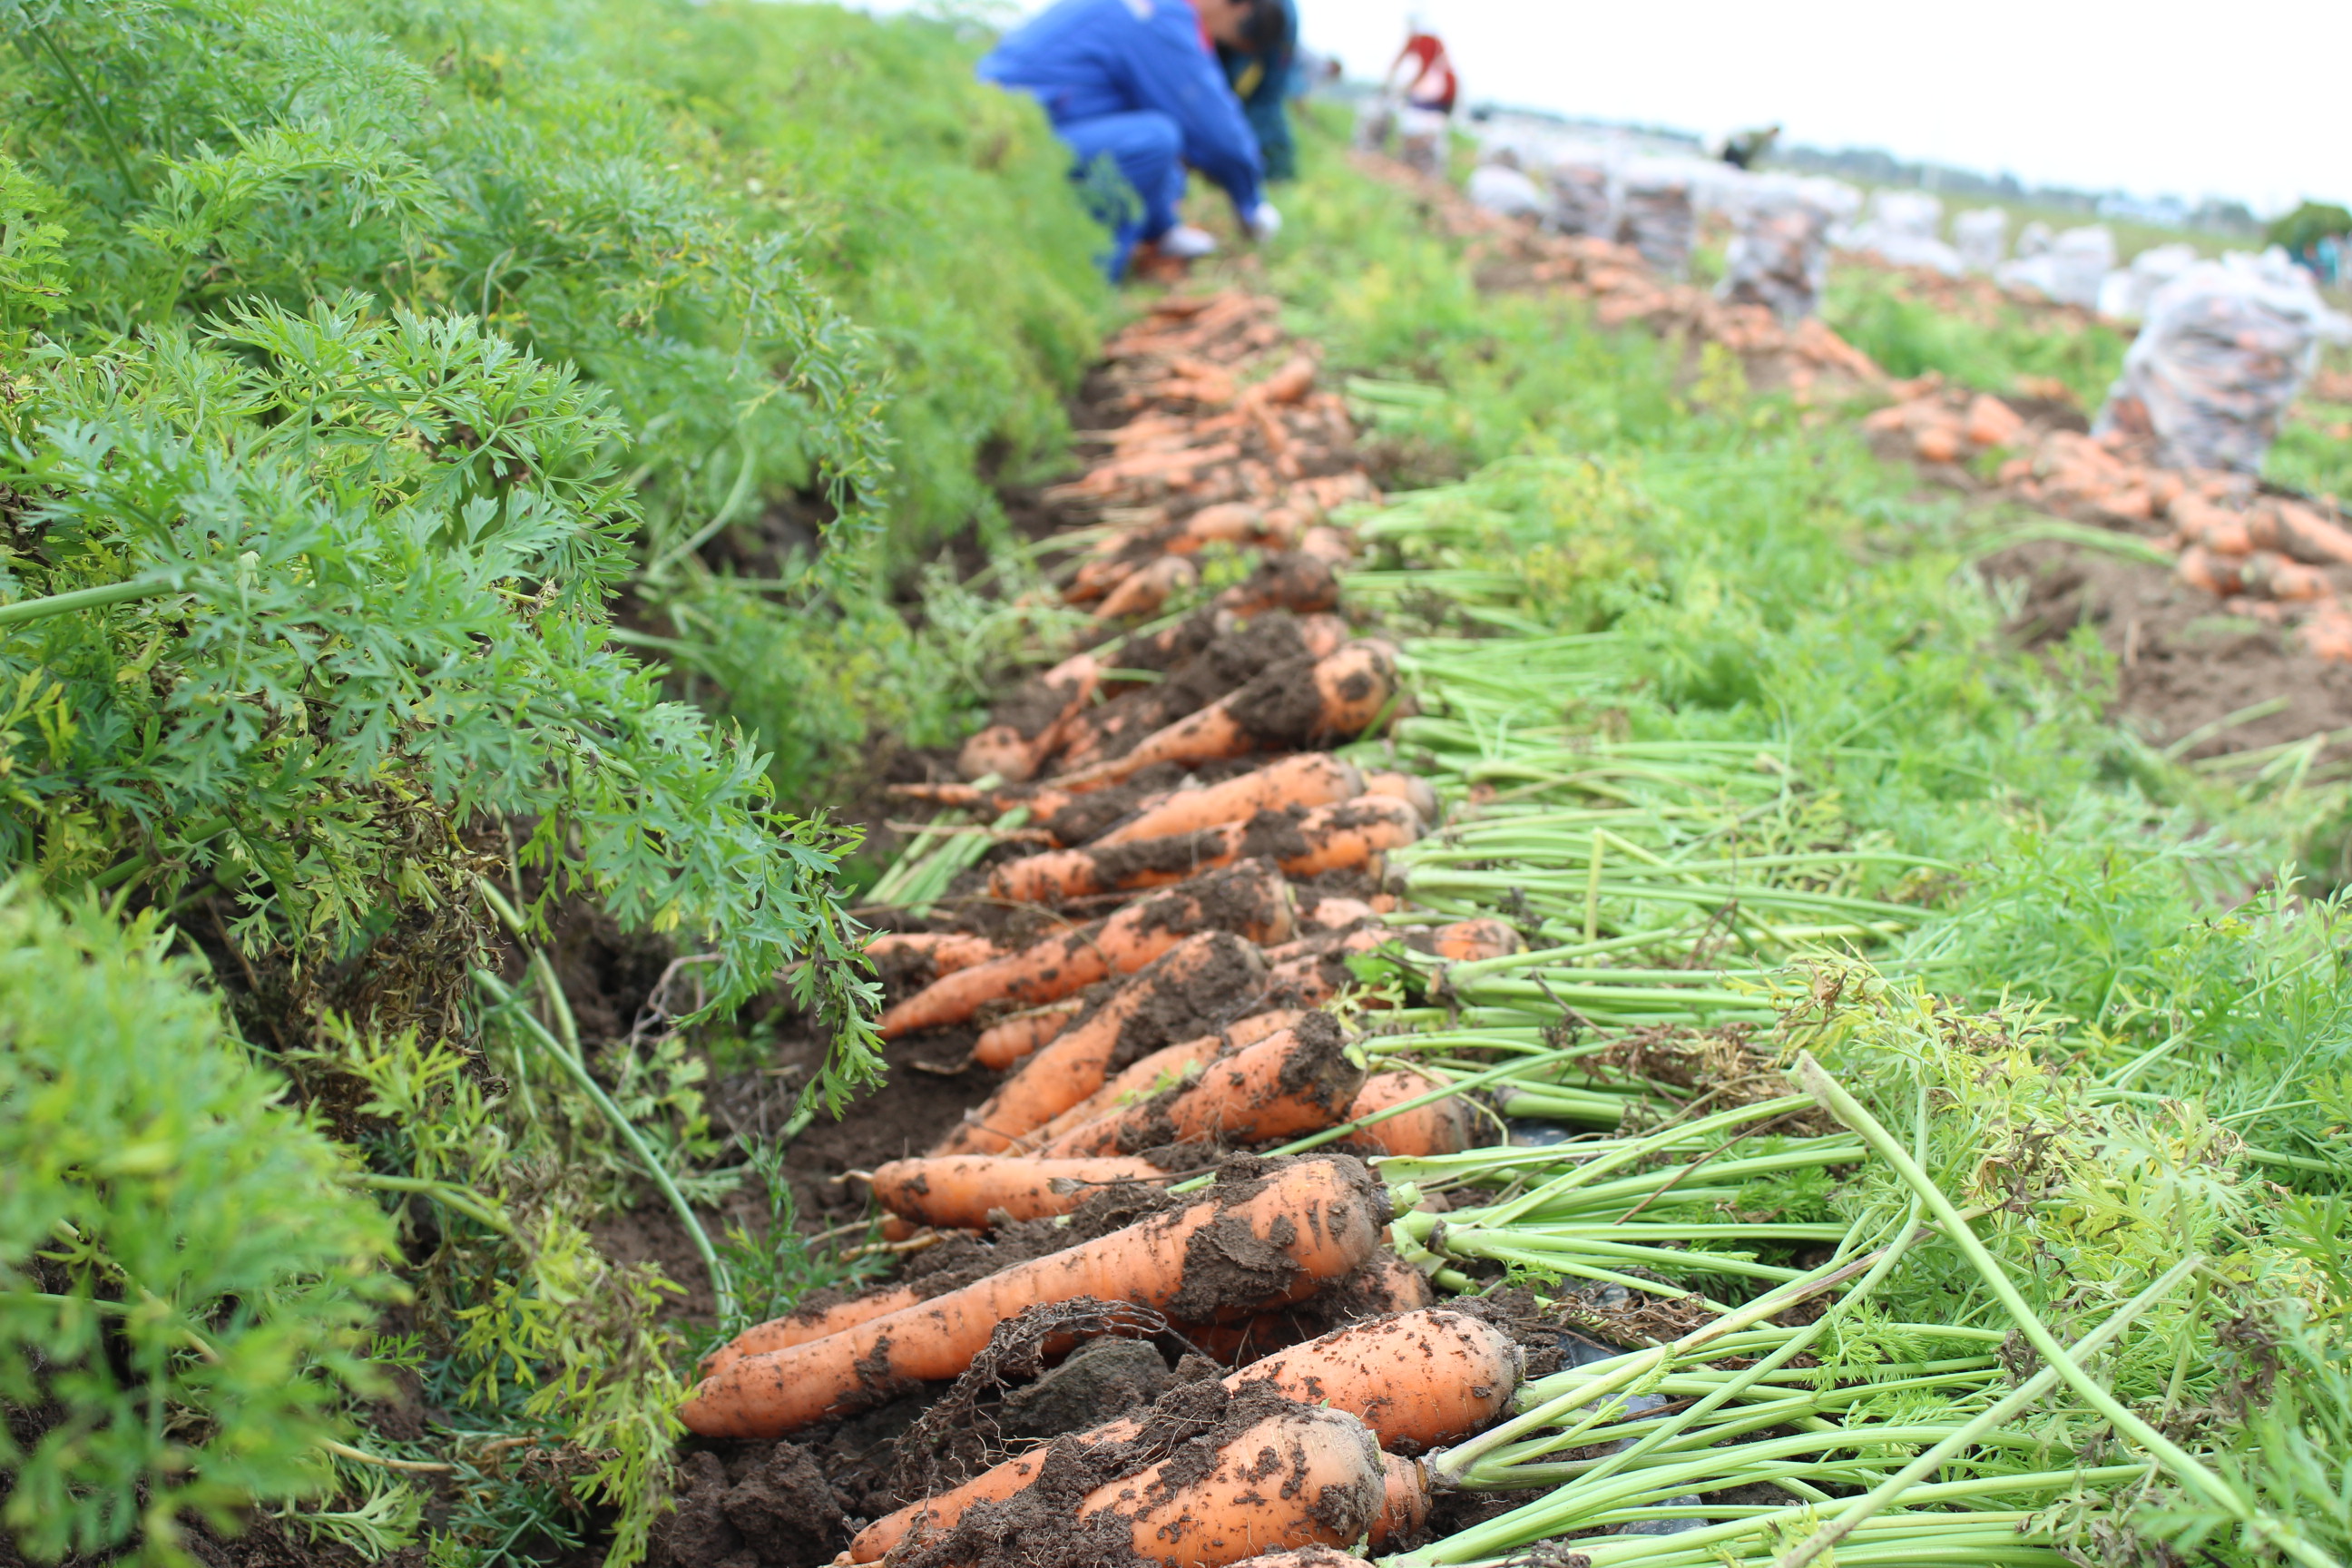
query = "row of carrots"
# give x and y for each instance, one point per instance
(1178, 776)
(2271, 557)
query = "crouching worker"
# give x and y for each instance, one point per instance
(1134, 81)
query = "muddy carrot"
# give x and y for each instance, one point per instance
(1440, 1127)
(1334, 914)
(1162, 1068)
(1326, 1488)
(1292, 382)
(1020, 739)
(1144, 593)
(798, 1328)
(1309, 779)
(948, 950)
(1465, 941)
(963, 1191)
(1350, 836)
(1404, 1502)
(1292, 704)
(1423, 1378)
(1249, 898)
(1002, 1043)
(1076, 1061)
(1411, 788)
(1308, 1557)
(1299, 1080)
(1315, 1219)
(1286, 580)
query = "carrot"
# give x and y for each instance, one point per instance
(1299, 1080)
(1148, 1074)
(1325, 1486)
(1350, 690)
(1440, 1127)
(809, 1323)
(2300, 531)
(1076, 1061)
(1470, 940)
(1415, 791)
(1384, 1285)
(1423, 1378)
(1316, 1556)
(1285, 580)
(2273, 577)
(1251, 896)
(1321, 633)
(963, 1191)
(1347, 836)
(2327, 636)
(1309, 972)
(1330, 914)
(2202, 568)
(1326, 543)
(1144, 592)
(1309, 779)
(1291, 384)
(1320, 1218)
(1404, 1503)
(948, 950)
(1026, 731)
(1002, 1043)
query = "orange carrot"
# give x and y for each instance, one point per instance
(1292, 383)
(1350, 834)
(948, 950)
(1326, 543)
(1415, 791)
(1404, 1502)
(1250, 896)
(1351, 688)
(2273, 577)
(1316, 1556)
(1076, 1061)
(1423, 1378)
(1143, 592)
(964, 1192)
(1149, 1074)
(1465, 941)
(1323, 634)
(808, 1323)
(1299, 1080)
(1012, 747)
(1321, 1218)
(1325, 1486)
(1311, 778)
(1330, 914)
(1002, 1043)
(2202, 568)
(1285, 580)
(1440, 1127)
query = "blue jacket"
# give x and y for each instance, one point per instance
(1086, 58)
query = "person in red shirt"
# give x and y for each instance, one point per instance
(1427, 72)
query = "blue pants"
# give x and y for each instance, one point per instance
(1148, 149)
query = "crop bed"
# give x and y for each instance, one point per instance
(1331, 1012)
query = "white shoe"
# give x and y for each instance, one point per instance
(1186, 243)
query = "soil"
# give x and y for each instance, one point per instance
(2184, 664)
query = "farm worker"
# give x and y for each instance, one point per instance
(1134, 81)
(1423, 73)
(1263, 78)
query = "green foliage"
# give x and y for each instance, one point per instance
(187, 1273)
(1909, 336)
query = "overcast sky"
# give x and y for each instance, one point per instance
(2252, 100)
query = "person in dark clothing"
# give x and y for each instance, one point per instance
(1745, 149)
(1261, 70)
(1134, 81)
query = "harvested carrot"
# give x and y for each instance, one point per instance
(1144, 592)
(1335, 914)
(1307, 1557)
(1076, 1061)
(1309, 779)
(948, 950)
(1411, 788)
(1027, 728)
(1320, 1218)
(1404, 1502)
(1002, 1043)
(1421, 1378)
(1150, 1074)
(1322, 635)
(2302, 533)
(1466, 941)
(809, 1323)
(1328, 543)
(1348, 835)
(963, 1191)
(1291, 705)
(1285, 580)
(2202, 568)
(2273, 576)
(1440, 1127)
(1299, 1080)
(1250, 899)
(1325, 1486)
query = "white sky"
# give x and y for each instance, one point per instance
(2252, 100)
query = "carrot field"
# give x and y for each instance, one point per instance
(710, 864)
